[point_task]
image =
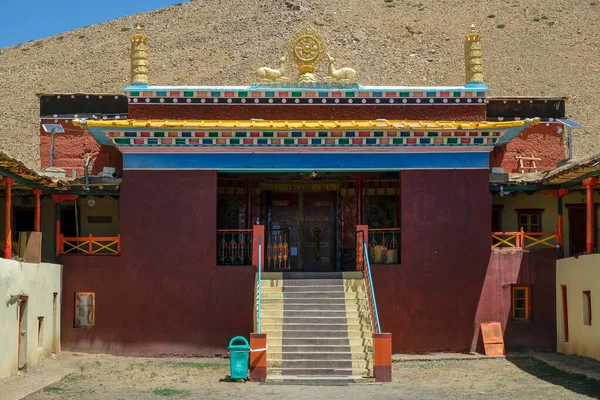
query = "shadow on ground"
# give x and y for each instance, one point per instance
(574, 382)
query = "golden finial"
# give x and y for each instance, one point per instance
(473, 57)
(306, 49)
(139, 58)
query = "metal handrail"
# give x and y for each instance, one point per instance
(258, 284)
(368, 266)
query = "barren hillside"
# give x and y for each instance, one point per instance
(532, 47)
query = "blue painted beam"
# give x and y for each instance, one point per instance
(306, 162)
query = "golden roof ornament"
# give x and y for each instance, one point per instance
(339, 75)
(266, 74)
(139, 58)
(307, 49)
(473, 58)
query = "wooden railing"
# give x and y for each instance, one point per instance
(384, 245)
(524, 240)
(235, 246)
(277, 249)
(90, 245)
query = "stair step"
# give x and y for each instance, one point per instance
(317, 380)
(320, 371)
(270, 301)
(323, 342)
(312, 314)
(310, 334)
(319, 355)
(312, 275)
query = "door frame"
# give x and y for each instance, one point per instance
(337, 226)
(582, 206)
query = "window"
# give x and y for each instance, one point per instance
(85, 309)
(40, 332)
(565, 314)
(587, 307)
(521, 303)
(530, 220)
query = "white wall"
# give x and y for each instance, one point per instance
(39, 282)
(578, 275)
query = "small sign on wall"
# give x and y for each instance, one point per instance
(293, 251)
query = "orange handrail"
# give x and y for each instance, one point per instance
(520, 237)
(79, 243)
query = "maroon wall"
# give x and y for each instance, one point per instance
(470, 112)
(429, 302)
(537, 269)
(164, 294)
(449, 281)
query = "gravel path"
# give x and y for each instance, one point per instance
(103, 377)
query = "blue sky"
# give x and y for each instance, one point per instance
(24, 20)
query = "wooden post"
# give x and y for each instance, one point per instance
(365, 229)
(382, 369)
(258, 235)
(589, 237)
(258, 357)
(57, 227)
(7, 211)
(37, 223)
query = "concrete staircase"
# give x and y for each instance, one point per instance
(318, 327)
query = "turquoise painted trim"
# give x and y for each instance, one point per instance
(100, 136)
(260, 267)
(249, 88)
(475, 85)
(509, 135)
(306, 162)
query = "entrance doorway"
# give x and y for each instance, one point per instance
(307, 223)
(577, 228)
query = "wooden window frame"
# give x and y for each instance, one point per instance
(565, 312)
(527, 302)
(93, 313)
(530, 211)
(588, 305)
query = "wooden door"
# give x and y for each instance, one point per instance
(318, 231)
(577, 229)
(282, 224)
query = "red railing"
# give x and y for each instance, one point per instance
(235, 246)
(383, 245)
(524, 240)
(90, 245)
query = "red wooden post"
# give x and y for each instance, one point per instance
(37, 215)
(589, 237)
(365, 229)
(60, 242)
(258, 236)
(119, 243)
(90, 244)
(258, 357)
(382, 369)
(7, 209)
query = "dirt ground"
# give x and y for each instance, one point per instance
(101, 377)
